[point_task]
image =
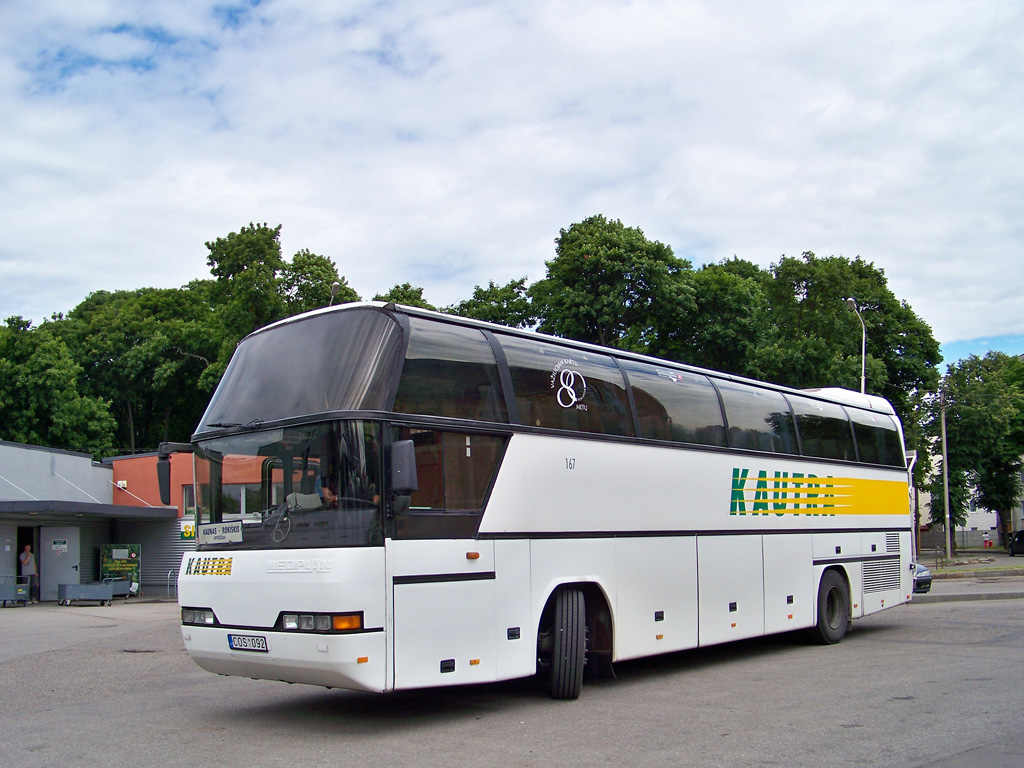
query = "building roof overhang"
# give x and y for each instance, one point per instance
(68, 511)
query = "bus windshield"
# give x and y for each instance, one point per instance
(340, 361)
(298, 487)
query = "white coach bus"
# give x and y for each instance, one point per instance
(390, 498)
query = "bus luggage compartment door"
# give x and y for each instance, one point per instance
(443, 612)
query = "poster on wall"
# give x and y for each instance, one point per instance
(123, 563)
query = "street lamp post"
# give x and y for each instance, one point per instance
(852, 304)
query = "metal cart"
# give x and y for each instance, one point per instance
(14, 590)
(103, 591)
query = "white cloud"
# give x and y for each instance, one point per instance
(445, 143)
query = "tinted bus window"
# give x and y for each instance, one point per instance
(759, 419)
(675, 405)
(450, 371)
(454, 471)
(564, 388)
(336, 361)
(824, 429)
(878, 440)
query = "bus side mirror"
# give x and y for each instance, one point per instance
(403, 468)
(163, 467)
(163, 478)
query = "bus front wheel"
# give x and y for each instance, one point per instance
(833, 609)
(569, 644)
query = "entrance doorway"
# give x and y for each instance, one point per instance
(59, 559)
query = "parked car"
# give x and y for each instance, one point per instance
(1017, 543)
(922, 579)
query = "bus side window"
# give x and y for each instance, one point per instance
(450, 371)
(824, 429)
(454, 471)
(759, 419)
(878, 440)
(567, 388)
(675, 405)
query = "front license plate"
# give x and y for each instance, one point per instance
(248, 643)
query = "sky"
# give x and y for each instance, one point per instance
(446, 143)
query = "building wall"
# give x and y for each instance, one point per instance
(29, 473)
(138, 475)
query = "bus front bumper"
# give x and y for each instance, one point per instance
(353, 661)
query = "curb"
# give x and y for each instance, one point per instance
(979, 573)
(928, 597)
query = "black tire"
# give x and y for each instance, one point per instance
(569, 651)
(833, 609)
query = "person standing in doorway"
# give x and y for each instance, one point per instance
(28, 568)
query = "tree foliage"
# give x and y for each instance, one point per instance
(406, 294)
(608, 284)
(983, 399)
(40, 403)
(507, 304)
(150, 358)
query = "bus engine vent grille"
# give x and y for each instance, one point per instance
(892, 543)
(881, 575)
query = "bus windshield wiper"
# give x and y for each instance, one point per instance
(224, 424)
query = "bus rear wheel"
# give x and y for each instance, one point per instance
(569, 644)
(833, 609)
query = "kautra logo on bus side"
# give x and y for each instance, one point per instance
(781, 493)
(208, 566)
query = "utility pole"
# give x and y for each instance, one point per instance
(945, 476)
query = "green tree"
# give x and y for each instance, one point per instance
(503, 304)
(983, 399)
(307, 282)
(144, 351)
(406, 294)
(608, 284)
(725, 326)
(247, 266)
(40, 403)
(254, 286)
(813, 339)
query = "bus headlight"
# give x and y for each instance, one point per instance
(321, 622)
(198, 616)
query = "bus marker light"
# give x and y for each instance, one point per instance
(363, 660)
(472, 555)
(659, 637)
(734, 625)
(791, 615)
(348, 621)
(474, 662)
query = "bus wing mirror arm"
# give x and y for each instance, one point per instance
(163, 467)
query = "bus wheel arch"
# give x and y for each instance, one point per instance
(833, 607)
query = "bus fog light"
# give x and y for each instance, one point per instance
(306, 623)
(323, 623)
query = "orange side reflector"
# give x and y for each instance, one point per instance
(734, 625)
(474, 662)
(362, 660)
(347, 621)
(472, 555)
(659, 637)
(791, 615)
